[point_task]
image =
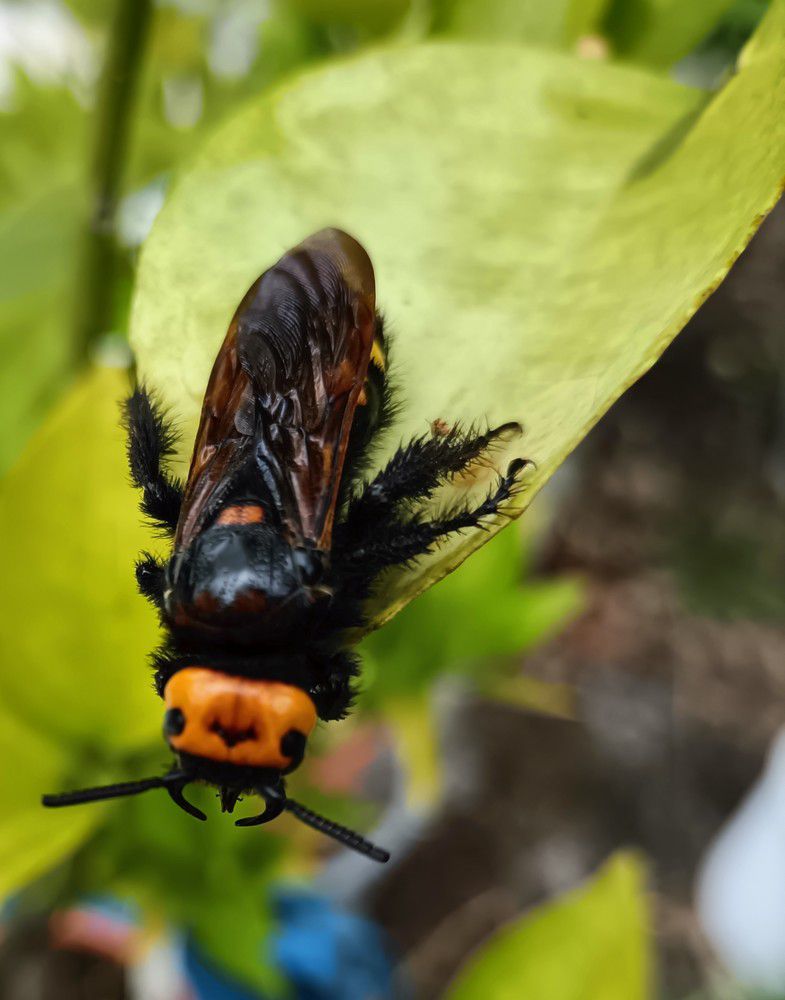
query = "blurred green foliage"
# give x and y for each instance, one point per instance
(475, 625)
(655, 33)
(208, 879)
(542, 226)
(560, 23)
(660, 32)
(42, 199)
(471, 625)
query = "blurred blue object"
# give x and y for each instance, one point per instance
(324, 952)
(328, 953)
(207, 982)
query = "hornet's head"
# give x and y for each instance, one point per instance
(236, 720)
(239, 734)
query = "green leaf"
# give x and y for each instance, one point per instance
(75, 651)
(37, 244)
(31, 840)
(364, 18)
(590, 943)
(541, 227)
(41, 204)
(558, 22)
(42, 142)
(660, 32)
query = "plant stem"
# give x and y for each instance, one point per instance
(120, 72)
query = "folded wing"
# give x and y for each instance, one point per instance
(283, 392)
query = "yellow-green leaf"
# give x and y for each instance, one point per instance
(38, 238)
(541, 227)
(416, 742)
(31, 841)
(591, 943)
(77, 636)
(42, 204)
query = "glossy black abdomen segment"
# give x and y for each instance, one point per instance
(244, 580)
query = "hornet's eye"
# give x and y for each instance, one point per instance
(174, 722)
(293, 745)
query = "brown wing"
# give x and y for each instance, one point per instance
(284, 388)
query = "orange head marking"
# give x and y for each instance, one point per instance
(236, 720)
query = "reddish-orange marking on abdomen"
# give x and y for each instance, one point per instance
(241, 514)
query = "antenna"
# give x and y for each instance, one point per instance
(340, 833)
(275, 803)
(173, 782)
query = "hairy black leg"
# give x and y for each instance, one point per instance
(400, 541)
(413, 473)
(165, 665)
(334, 693)
(151, 441)
(150, 579)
